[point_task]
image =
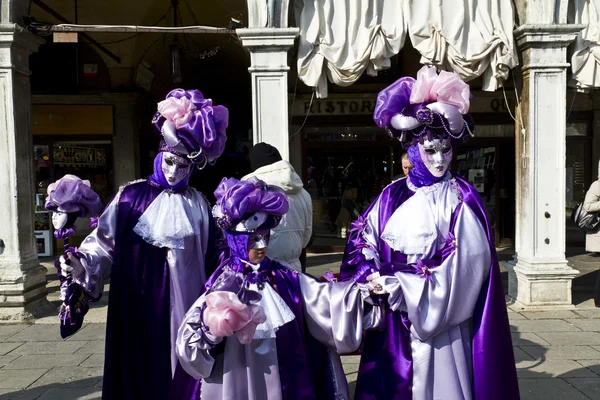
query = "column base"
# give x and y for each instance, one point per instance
(24, 298)
(540, 284)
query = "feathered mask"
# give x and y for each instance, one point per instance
(432, 106)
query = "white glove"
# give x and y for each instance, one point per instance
(75, 268)
(375, 283)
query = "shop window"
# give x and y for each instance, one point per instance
(347, 168)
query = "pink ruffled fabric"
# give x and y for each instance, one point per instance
(226, 314)
(447, 87)
(179, 111)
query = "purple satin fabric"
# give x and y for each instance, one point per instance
(238, 249)
(494, 372)
(206, 129)
(304, 366)
(73, 196)
(64, 233)
(138, 346)
(392, 100)
(386, 364)
(240, 199)
(158, 177)
(419, 174)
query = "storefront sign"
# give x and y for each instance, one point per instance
(482, 102)
(493, 102)
(352, 106)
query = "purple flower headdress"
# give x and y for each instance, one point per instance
(432, 106)
(191, 127)
(246, 208)
(71, 195)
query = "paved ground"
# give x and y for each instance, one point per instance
(557, 351)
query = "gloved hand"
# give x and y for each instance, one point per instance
(375, 283)
(74, 267)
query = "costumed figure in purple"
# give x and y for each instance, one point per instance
(157, 241)
(253, 333)
(425, 246)
(70, 198)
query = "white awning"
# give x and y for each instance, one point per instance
(585, 59)
(340, 39)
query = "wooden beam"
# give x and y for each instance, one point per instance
(87, 37)
(141, 29)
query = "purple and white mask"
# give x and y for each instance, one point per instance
(175, 168)
(258, 241)
(59, 219)
(436, 155)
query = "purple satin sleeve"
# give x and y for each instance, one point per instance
(337, 313)
(97, 250)
(194, 343)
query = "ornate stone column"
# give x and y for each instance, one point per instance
(22, 278)
(268, 56)
(539, 275)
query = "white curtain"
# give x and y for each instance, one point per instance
(585, 59)
(471, 37)
(340, 39)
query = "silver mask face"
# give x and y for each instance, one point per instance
(258, 241)
(59, 219)
(436, 154)
(175, 168)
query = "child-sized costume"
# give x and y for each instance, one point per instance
(252, 334)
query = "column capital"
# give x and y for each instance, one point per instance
(544, 46)
(546, 35)
(268, 48)
(259, 38)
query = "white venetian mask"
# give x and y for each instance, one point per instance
(175, 168)
(436, 155)
(59, 219)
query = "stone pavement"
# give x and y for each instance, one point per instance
(557, 351)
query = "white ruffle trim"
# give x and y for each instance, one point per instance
(421, 223)
(411, 229)
(277, 311)
(170, 218)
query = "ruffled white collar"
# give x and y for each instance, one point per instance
(277, 311)
(172, 217)
(422, 222)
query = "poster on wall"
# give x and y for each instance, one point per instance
(477, 179)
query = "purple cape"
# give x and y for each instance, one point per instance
(386, 364)
(137, 361)
(304, 366)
